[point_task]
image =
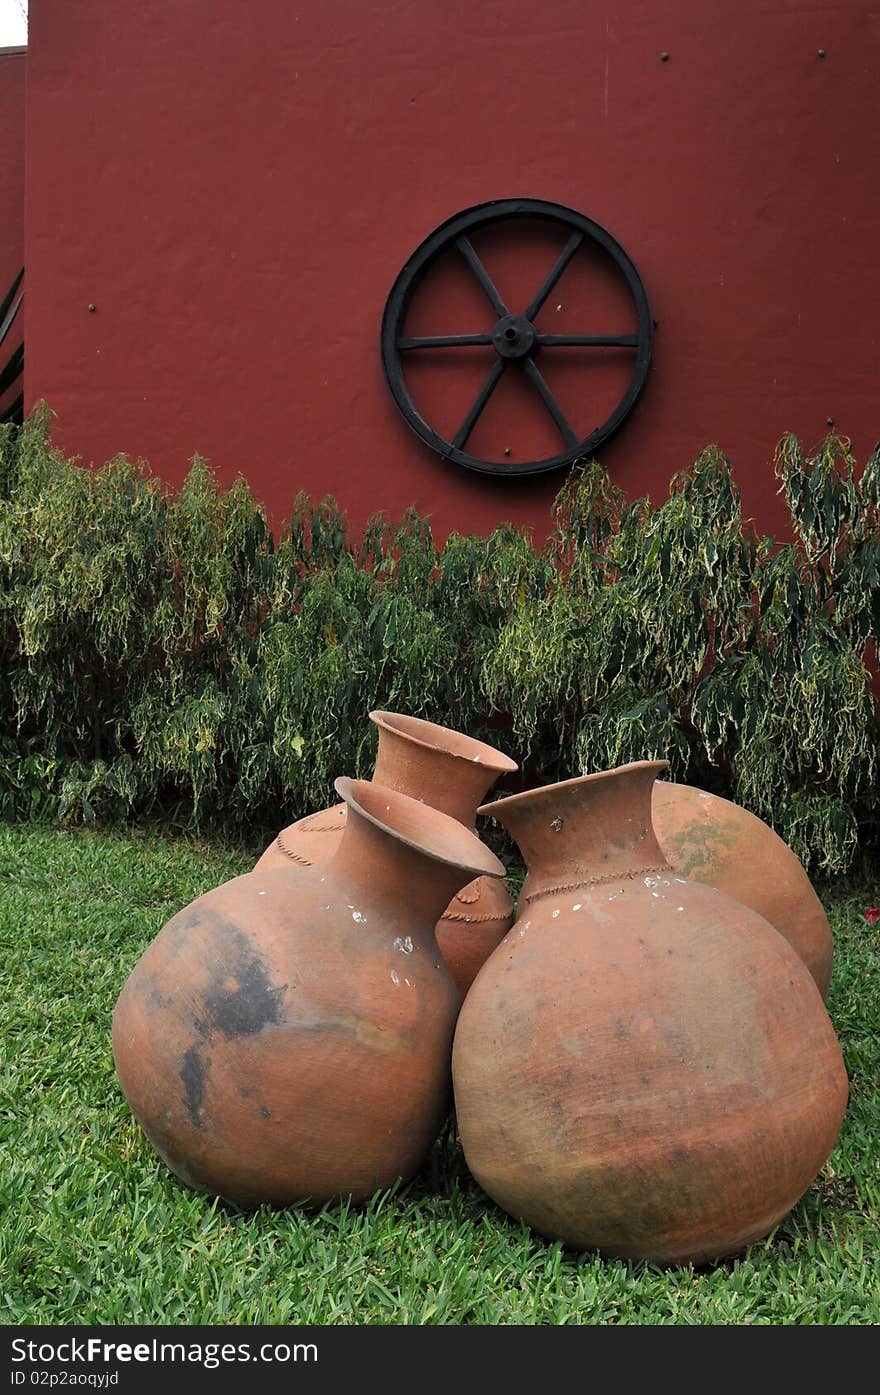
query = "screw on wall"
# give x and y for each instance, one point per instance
(829, 421)
(92, 308)
(820, 53)
(664, 57)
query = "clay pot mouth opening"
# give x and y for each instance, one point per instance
(418, 826)
(528, 797)
(451, 743)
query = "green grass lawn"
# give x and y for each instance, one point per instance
(93, 1229)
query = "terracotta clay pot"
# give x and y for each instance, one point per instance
(451, 772)
(644, 1066)
(287, 1036)
(712, 840)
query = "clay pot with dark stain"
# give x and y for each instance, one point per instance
(451, 772)
(644, 1066)
(287, 1036)
(712, 840)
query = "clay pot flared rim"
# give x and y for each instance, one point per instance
(530, 796)
(433, 737)
(419, 826)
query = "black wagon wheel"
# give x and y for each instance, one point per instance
(516, 341)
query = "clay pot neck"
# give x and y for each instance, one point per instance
(405, 855)
(452, 771)
(582, 831)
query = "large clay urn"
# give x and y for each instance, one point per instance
(644, 1066)
(712, 840)
(453, 773)
(287, 1036)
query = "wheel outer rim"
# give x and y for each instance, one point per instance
(409, 279)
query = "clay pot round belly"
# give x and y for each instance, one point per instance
(288, 1035)
(712, 840)
(451, 772)
(644, 1066)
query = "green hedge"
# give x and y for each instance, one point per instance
(162, 654)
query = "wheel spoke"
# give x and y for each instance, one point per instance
(554, 273)
(466, 248)
(553, 407)
(443, 341)
(479, 403)
(614, 341)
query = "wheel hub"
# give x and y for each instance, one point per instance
(513, 336)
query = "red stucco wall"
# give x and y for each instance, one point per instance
(13, 63)
(235, 193)
(13, 67)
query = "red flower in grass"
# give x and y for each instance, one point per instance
(872, 915)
